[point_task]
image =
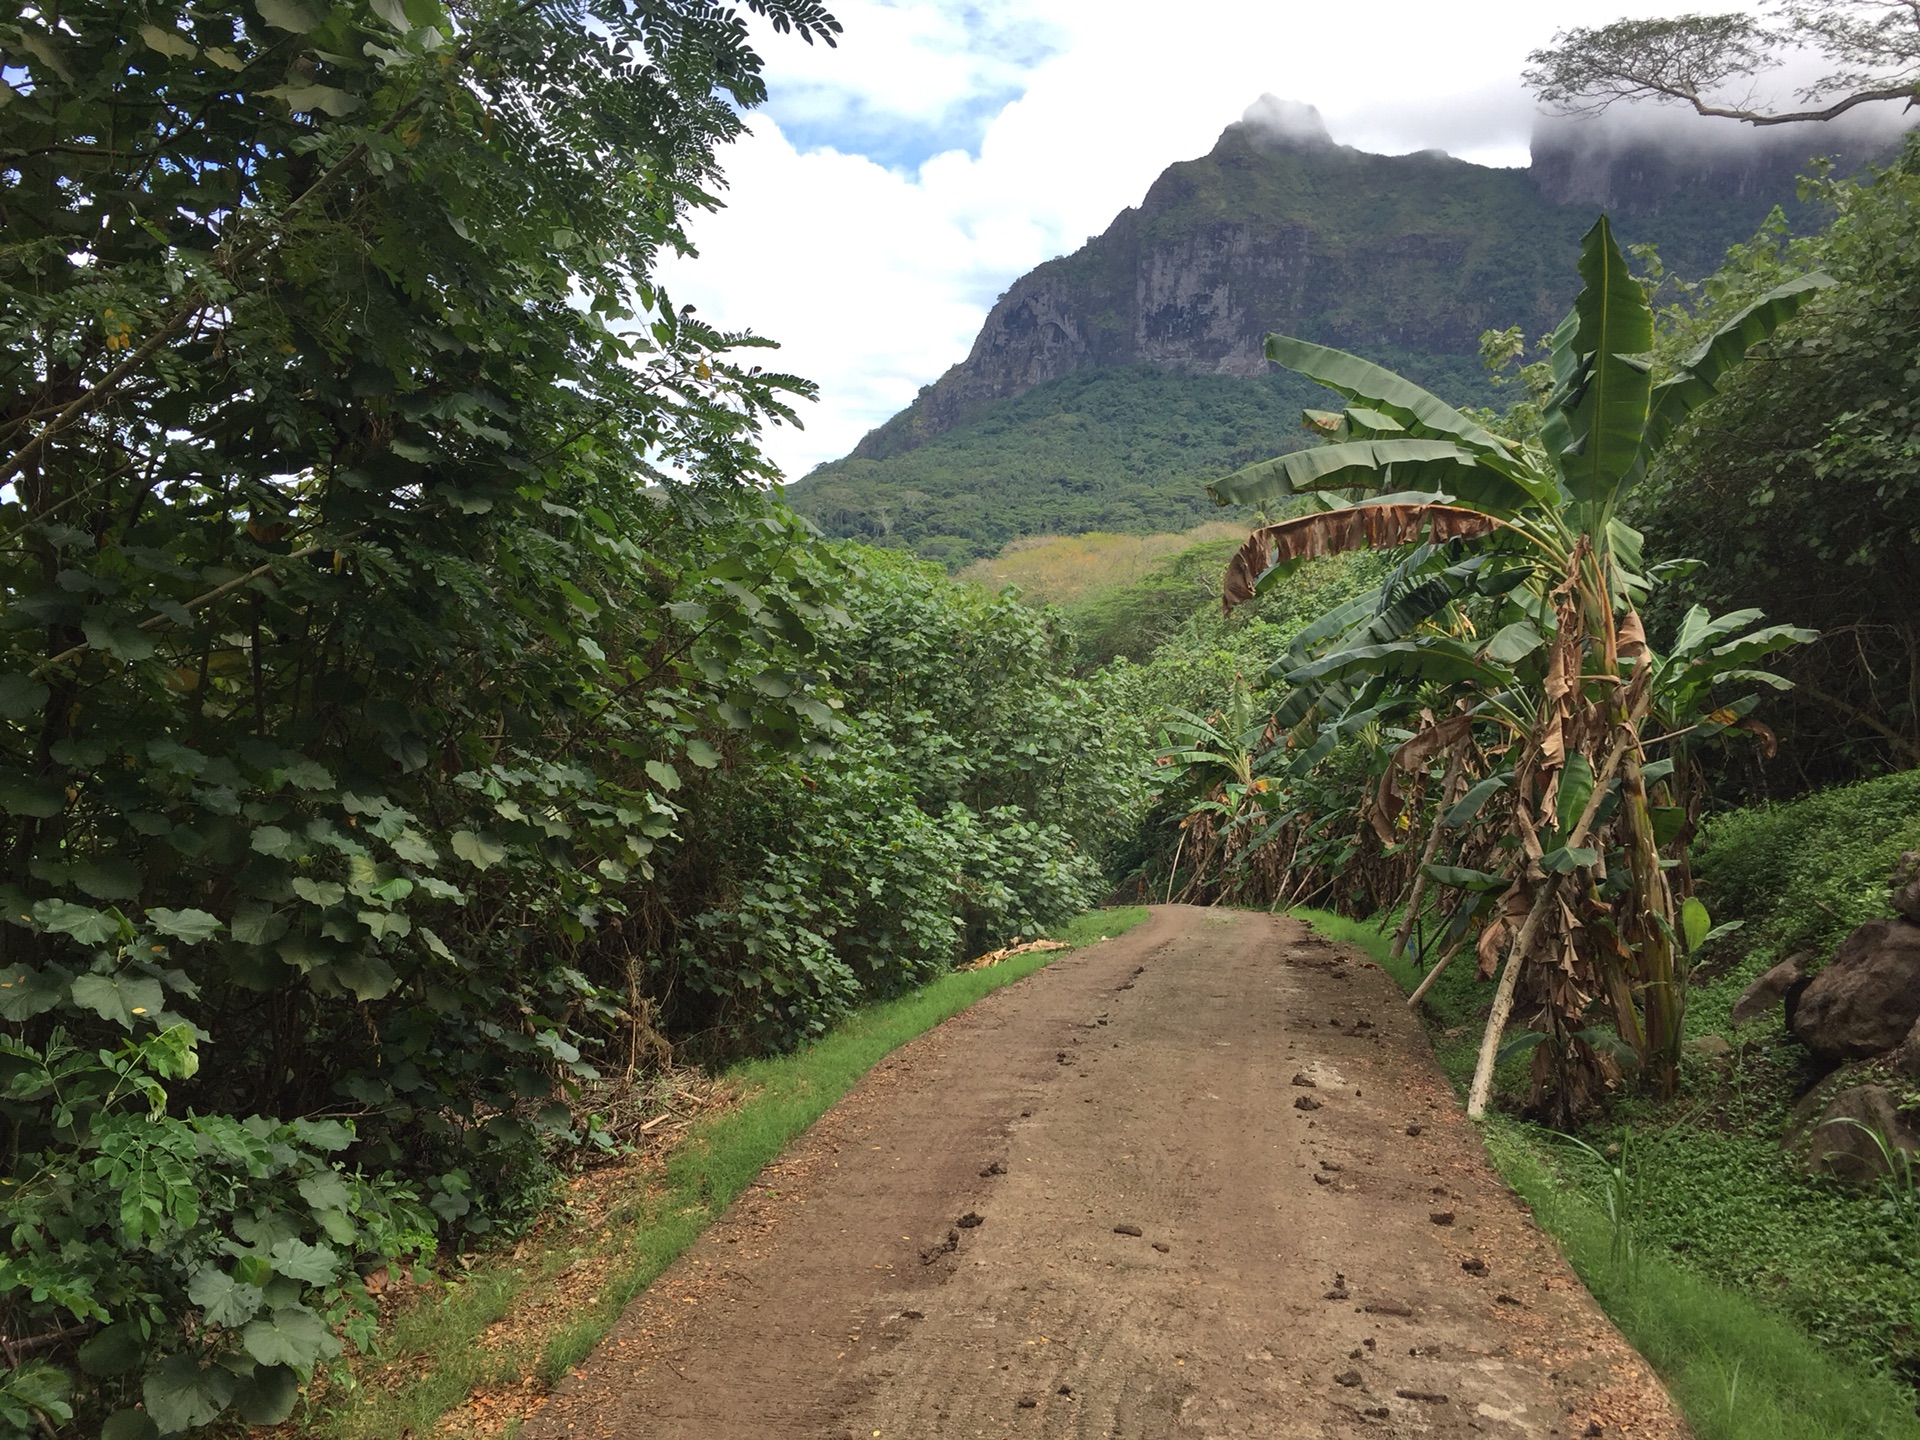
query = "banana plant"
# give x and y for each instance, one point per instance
(1528, 536)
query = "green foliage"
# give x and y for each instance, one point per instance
(408, 707)
(1803, 874)
(1114, 449)
(1800, 485)
(1707, 1323)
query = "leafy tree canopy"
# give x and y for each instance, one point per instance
(1706, 62)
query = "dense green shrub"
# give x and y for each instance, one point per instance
(1803, 874)
(1800, 485)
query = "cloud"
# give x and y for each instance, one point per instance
(894, 186)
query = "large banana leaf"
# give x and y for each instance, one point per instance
(1699, 380)
(1376, 388)
(1335, 532)
(1426, 659)
(1597, 415)
(1409, 464)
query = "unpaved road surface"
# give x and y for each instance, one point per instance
(1100, 1203)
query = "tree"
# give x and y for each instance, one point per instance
(348, 669)
(1564, 682)
(1707, 62)
(1799, 486)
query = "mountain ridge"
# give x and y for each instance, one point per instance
(1405, 259)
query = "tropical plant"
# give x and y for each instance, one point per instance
(1517, 604)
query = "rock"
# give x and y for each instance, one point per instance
(1905, 1059)
(1867, 998)
(1832, 1127)
(1905, 887)
(1713, 1048)
(1770, 990)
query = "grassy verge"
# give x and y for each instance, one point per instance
(436, 1357)
(1738, 1368)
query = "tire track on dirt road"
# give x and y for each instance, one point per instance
(1204, 1179)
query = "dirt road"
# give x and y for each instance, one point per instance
(1204, 1179)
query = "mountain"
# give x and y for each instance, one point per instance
(1107, 385)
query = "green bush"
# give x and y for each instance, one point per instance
(1801, 875)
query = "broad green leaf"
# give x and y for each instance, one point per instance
(224, 1300)
(113, 1350)
(368, 976)
(123, 999)
(1378, 389)
(1695, 923)
(168, 43)
(1576, 788)
(1563, 860)
(1436, 466)
(1513, 643)
(319, 892)
(1596, 418)
(309, 1264)
(329, 1135)
(475, 850)
(189, 927)
(306, 99)
(304, 774)
(180, 1395)
(702, 754)
(20, 697)
(1462, 878)
(1699, 378)
(274, 841)
(87, 927)
(257, 923)
(119, 638)
(26, 991)
(295, 16)
(108, 878)
(38, 796)
(129, 1425)
(293, 1335)
(267, 1396)
(412, 847)
(1471, 803)
(325, 1190)
(663, 775)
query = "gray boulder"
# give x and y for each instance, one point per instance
(1834, 1131)
(1770, 990)
(1905, 887)
(1905, 1059)
(1867, 998)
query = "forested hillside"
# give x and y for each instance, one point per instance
(1065, 415)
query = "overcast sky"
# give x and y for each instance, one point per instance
(894, 186)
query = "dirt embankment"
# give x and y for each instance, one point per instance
(1201, 1180)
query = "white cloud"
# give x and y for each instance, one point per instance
(874, 271)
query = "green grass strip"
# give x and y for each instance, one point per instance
(719, 1159)
(1738, 1370)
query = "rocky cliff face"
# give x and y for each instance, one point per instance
(1404, 258)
